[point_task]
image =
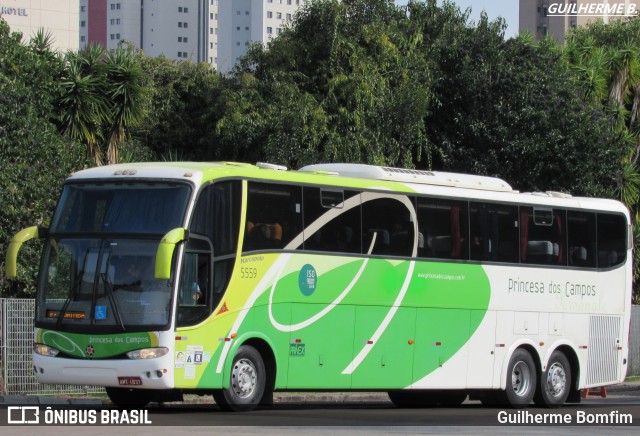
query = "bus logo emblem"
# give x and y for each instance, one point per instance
(296, 350)
(307, 280)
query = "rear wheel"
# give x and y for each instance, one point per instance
(247, 384)
(555, 382)
(521, 379)
(127, 397)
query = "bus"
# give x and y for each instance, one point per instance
(237, 280)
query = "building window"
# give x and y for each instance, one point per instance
(288, 17)
(179, 54)
(185, 25)
(211, 16)
(83, 23)
(179, 38)
(83, 39)
(185, 39)
(180, 24)
(238, 44)
(246, 28)
(179, 8)
(238, 28)
(237, 12)
(269, 14)
(246, 12)
(269, 30)
(83, 9)
(279, 15)
(278, 30)
(186, 10)
(288, 2)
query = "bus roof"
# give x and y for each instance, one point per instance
(356, 176)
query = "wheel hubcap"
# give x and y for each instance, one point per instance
(556, 379)
(521, 378)
(244, 378)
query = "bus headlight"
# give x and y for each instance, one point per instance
(147, 353)
(45, 350)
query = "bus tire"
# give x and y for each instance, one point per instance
(247, 384)
(521, 379)
(555, 382)
(127, 397)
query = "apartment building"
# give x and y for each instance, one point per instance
(57, 17)
(556, 18)
(213, 31)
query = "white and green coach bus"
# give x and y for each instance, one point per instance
(238, 280)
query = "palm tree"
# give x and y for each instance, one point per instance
(127, 97)
(83, 106)
(101, 99)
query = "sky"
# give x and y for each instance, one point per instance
(507, 9)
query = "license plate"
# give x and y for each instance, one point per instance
(129, 381)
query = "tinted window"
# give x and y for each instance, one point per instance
(274, 216)
(217, 216)
(387, 228)
(443, 228)
(581, 229)
(542, 235)
(494, 232)
(332, 226)
(612, 237)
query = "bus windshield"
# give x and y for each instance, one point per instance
(150, 208)
(98, 263)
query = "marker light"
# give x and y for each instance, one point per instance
(147, 353)
(45, 350)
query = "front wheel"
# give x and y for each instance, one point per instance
(521, 379)
(555, 382)
(247, 384)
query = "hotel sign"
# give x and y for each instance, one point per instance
(6, 10)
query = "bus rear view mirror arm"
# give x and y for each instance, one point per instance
(166, 248)
(11, 264)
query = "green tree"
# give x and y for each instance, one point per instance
(355, 92)
(34, 160)
(183, 109)
(102, 99)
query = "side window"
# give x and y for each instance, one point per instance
(542, 235)
(444, 228)
(493, 232)
(274, 216)
(612, 240)
(330, 221)
(581, 228)
(217, 219)
(217, 216)
(386, 225)
(195, 299)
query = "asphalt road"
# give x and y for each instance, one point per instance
(594, 415)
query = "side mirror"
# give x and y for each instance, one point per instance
(166, 248)
(11, 264)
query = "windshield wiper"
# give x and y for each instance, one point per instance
(108, 287)
(72, 293)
